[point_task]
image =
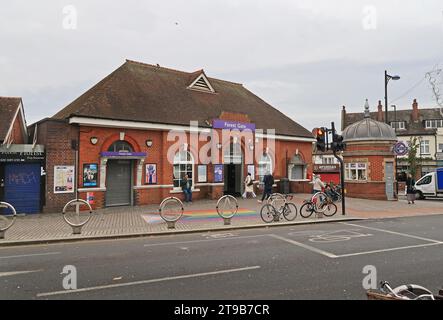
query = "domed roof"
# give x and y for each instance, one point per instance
(369, 130)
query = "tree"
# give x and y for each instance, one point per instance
(412, 155)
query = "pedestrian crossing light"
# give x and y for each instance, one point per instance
(321, 139)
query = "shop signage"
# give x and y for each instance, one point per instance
(326, 168)
(232, 125)
(123, 154)
(22, 153)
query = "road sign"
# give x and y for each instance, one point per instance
(400, 149)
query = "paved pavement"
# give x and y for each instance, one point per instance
(199, 216)
(323, 261)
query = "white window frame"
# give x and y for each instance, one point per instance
(179, 162)
(268, 166)
(434, 123)
(300, 163)
(424, 144)
(398, 125)
(360, 166)
(440, 147)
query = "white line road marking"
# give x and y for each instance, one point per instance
(118, 285)
(30, 255)
(387, 250)
(393, 232)
(14, 273)
(202, 241)
(305, 246)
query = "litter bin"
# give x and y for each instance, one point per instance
(284, 185)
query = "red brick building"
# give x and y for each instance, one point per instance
(369, 159)
(132, 137)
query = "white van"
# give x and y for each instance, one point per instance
(430, 185)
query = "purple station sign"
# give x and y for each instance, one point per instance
(232, 125)
(123, 154)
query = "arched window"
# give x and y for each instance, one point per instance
(264, 166)
(183, 164)
(120, 146)
(297, 168)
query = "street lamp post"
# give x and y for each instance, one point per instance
(396, 157)
(387, 78)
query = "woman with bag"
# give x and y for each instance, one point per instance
(249, 186)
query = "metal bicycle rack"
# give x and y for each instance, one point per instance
(77, 226)
(230, 204)
(9, 224)
(176, 207)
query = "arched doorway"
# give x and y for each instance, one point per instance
(233, 169)
(119, 178)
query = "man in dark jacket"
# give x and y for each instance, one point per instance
(186, 185)
(268, 181)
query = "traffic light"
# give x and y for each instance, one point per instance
(337, 143)
(321, 139)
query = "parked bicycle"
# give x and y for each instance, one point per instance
(407, 292)
(319, 203)
(278, 207)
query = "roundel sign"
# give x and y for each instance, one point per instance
(400, 149)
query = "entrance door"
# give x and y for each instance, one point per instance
(22, 187)
(389, 175)
(119, 183)
(233, 179)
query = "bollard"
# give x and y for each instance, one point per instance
(171, 224)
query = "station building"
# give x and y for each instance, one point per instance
(131, 138)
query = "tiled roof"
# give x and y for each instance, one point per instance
(412, 127)
(8, 108)
(143, 92)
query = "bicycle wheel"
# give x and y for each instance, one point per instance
(307, 209)
(267, 213)
(290, 211)
(319, 199)
(329, 209)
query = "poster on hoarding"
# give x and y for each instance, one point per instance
(64, 179)
(151, 173)
(218, 173)
(90, 175)
(202, 173)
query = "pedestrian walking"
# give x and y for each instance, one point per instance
(186, 185)
(249, 186)
(268, 182)
(410, 189)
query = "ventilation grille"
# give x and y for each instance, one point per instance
(202, 85)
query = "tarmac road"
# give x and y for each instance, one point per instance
(322, 261)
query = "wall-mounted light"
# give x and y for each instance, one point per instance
(149, 143)
(94, 140)
(251, 147)
(219, 145)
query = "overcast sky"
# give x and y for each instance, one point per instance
(306, 58)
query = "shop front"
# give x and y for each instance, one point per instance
(21, 177)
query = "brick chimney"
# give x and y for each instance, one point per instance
(380, 114)
(343, 118)
(415, 111)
